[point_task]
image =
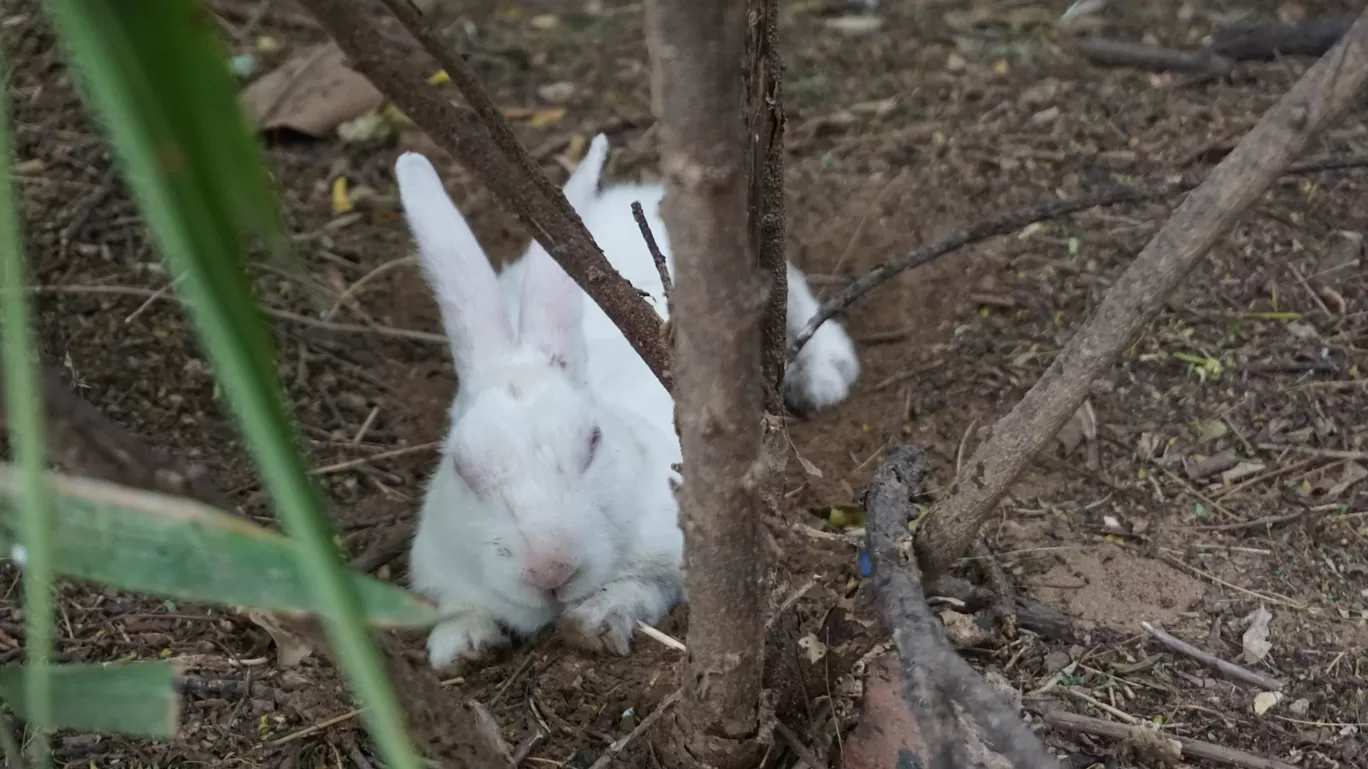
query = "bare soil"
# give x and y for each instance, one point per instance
(949, 112)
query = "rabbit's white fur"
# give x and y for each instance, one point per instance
(553, 495)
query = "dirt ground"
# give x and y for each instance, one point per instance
(1223, 474)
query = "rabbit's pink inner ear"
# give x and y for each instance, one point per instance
(466, 288)
(551, 310)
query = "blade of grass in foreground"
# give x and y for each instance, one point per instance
(23, 408)
(137, 698)
(175, 547)
(159, 82)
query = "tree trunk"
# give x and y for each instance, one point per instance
(720, 294)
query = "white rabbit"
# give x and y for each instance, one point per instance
(553, 496)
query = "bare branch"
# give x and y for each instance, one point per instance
(1123, 53)
(482, 141)
(1312, 37)
(662, 267)
(935, 676)
(1205, 215)
(1011, 221)
(1142, 733)
(1230, 670)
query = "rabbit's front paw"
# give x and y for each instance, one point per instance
(467, 638)
(605, 621)
(824, 372)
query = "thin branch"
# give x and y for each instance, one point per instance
(935, 676)
(1123, 53)
(1312, 37)
(1012, 221)
(621, 743)
(662, 267)
(476, 143)
(1228, 669)
(1206, 215)
(1191, 748)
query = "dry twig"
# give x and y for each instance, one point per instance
(1205, 215)
(1193, 748)
(1123, 53)
(1228, 669)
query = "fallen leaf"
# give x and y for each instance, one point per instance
(312, 93)
(439, 77)
(808, 467)
(1255, 639)
(815, 649)
(290, 648)
(1265, 700)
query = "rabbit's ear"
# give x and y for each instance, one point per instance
(467, 290)
(552, 303)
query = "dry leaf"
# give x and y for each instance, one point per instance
(1265, 700)
(312, 93)
(290, 648)
(815, 649)
(1255, 639)
(1081, 426)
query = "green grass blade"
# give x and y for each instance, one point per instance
(137, 698)
(23, 406)
(175, 547)
(157, 77)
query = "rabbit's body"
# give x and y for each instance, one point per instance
(553, 496)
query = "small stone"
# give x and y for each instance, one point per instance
(1299, 707)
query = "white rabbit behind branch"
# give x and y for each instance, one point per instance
(553, 499)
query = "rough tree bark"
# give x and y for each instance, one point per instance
(765, 175)
(719, 296)
(1205, 215)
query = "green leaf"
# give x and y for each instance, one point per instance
(137, 698)
(175, 547)
(24, 409)
(161, 86)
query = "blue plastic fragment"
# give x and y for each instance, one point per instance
(866, 567)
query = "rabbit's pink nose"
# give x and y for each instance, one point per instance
(548, 572)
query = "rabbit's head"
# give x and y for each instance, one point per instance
(528, 439)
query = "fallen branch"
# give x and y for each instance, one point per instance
(1324, 92)
(484, 143)
(1122, 53)
(1191, 748)
(938, 682)
(1308, 38)
(1012, 221)
(1228, 669)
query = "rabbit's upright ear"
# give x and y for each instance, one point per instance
(467, 290)
(552, 303)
